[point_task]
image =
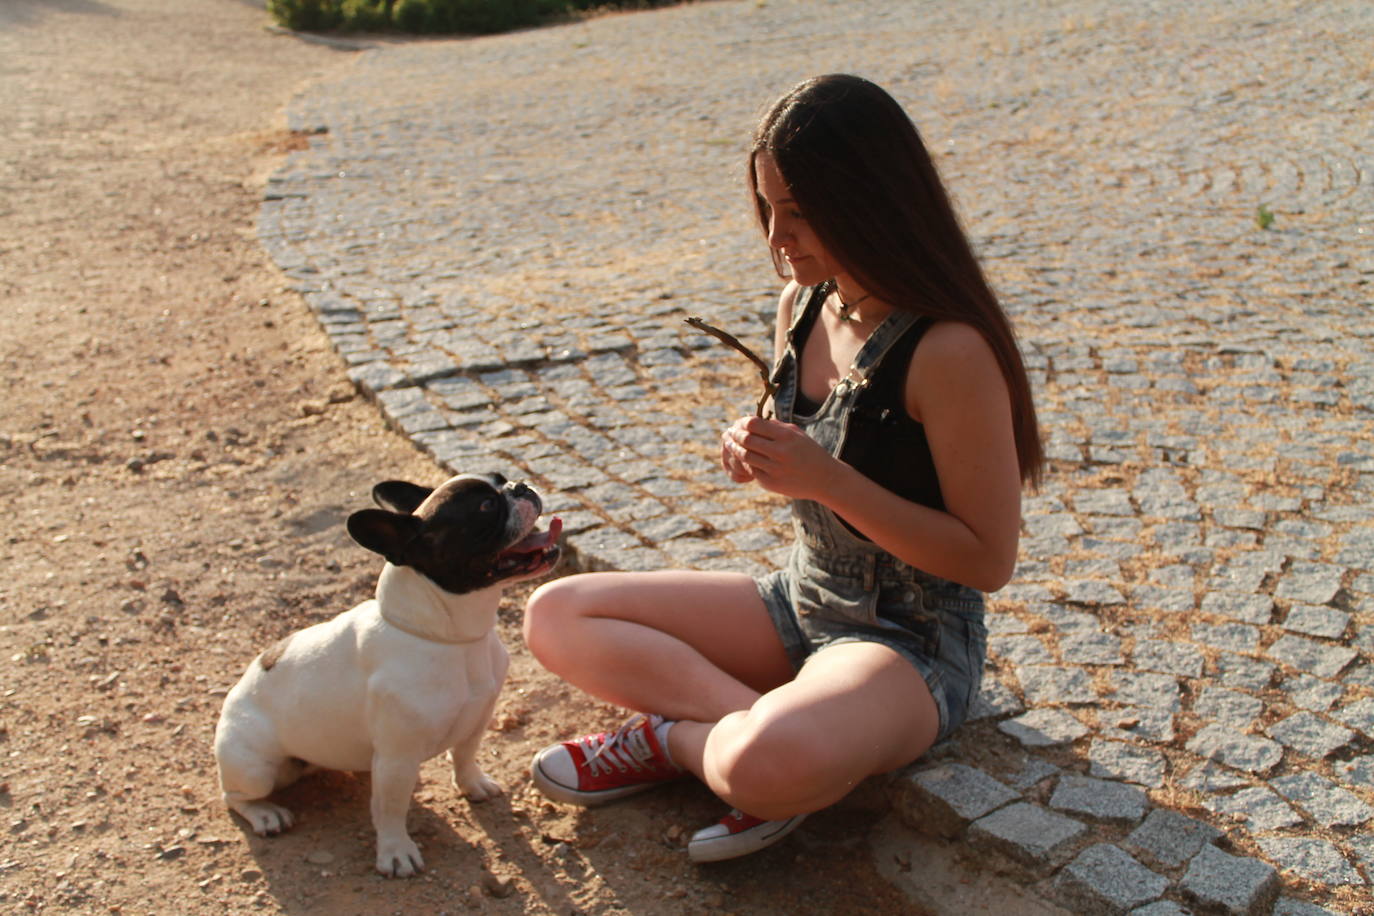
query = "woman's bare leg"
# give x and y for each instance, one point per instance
(701, 649)
(855, 710)
(686, 645)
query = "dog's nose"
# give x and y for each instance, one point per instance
(519, 489)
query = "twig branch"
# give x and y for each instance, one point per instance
(731, 341)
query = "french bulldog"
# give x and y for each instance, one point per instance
(403, 676)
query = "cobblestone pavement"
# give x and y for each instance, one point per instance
(502, 237)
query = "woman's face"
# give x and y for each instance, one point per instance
(788, 231)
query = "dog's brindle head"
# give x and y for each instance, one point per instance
(472, 532)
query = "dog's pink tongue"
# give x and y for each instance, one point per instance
(538, 540)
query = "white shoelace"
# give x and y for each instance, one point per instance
(626, 749)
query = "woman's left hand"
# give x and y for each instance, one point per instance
(784, 459)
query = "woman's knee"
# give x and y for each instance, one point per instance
(771, 767)
(548, 613)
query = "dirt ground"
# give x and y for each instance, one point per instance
(178, 449)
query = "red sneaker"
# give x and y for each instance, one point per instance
(599, 768)
(738, 834)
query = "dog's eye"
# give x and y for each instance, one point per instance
(488, 505)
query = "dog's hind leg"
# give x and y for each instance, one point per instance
(246, 786)
(247, 777)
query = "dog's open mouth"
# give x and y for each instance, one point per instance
(534, 551)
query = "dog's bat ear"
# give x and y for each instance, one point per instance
(386, 533)
(399, 496)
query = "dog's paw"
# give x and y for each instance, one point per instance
(265, 818)
(399, 858)
(477, 786)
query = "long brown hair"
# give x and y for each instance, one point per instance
(855, 165)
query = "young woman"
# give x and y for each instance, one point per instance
(903, 431)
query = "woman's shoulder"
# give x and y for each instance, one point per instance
(788, 302)
(951, 355)
(953, 340)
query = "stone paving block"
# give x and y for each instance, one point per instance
(1327, 803)
(1358, 715)
(1244, 672)
(1229, 884)
(753, 539)
(1029, 835)
(1021, 650)
(1044, 728)
(1033, 771)
(1227, 707)
(1210, 778)
(1257, 808)
(1105, 879)
(1310, 734)
(1357, 771)
(1161, 908)
(1116, 760)
(1311, 693)
(1001, 623)
(1168, 839)
(1362, 845)
(1311, 620)
(1239, 518)
(1313, 859)
(1093, 593)
(1136, 722)
(1153, 599)
(1099, 799)
(1091, 648)
(659, 530)
(994, 699)
(1360, 675)
(1168, 657)
(1319, 658)
(1233, 637)
(1287, 906)
(1105, 501)
(1145, 688)
(946, 798)
(1310, 583)
(1043, 685)
(1247, 608)
(1067, 620)
(1249, 753)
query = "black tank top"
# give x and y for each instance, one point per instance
(882, 441)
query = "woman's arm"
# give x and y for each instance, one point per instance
(787, 303)
(737, 470)
(956, 389)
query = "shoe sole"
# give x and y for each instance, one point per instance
(559, 792)
(719, 849)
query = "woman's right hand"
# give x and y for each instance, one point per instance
(734, 466)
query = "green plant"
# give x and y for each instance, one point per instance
(366, 15)
(306, 15)
(1264, 217)
(433, 16)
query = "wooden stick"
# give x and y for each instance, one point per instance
(730, 340)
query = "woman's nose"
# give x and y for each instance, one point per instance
(778, 233)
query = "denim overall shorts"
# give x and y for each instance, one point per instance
(839, 588)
